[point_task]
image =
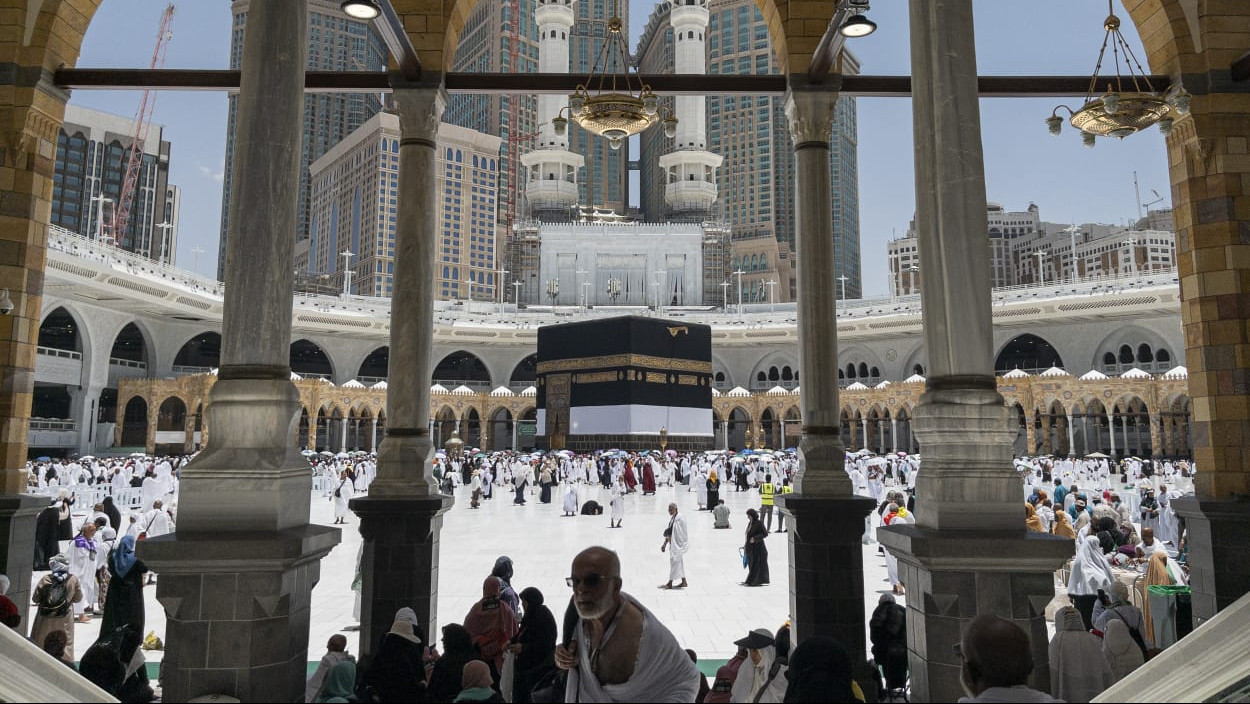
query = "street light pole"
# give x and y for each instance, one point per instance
(500, 274)
(99, 221)
(842, 280)
(772, 295)
(347, 271)
(516, 296)
(1041, 270)
(724, 295)
(1072, 230)
(165, 228)
(739, 274)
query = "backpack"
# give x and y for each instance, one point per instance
(54, 602)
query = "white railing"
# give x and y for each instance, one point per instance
(53, 424)
(185, 370)
(127, 363)
(56, 352)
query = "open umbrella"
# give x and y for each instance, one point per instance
(876, 462)
(1098, 455)
(43, 458)
(671, 453)
(327, 453)
(306, 453)
(342, 456)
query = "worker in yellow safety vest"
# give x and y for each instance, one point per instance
(766, 501)
(781, 517)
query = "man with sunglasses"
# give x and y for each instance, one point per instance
(619, 651)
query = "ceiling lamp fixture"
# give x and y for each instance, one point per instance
(361, 9)
(1120, 111)
(613, 112)
(857, 25)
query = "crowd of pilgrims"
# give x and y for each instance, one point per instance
(1127, 538)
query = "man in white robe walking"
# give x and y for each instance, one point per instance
(677, 541)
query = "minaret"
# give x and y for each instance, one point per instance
(551, 183)
(690, 170)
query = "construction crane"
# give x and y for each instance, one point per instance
(143, 117)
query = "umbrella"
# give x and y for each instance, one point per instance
(1098, 455)
(137, 454)
(342, 456)
(87, 457)
(876, 462)
(440, 453)
(306, 453)
(327, 453)
(479, 454)
(671, 453)
(45, 458)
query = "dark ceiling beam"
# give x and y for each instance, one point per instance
(391, 27)
(556, 84)
(1241, 68)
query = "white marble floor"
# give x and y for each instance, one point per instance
(707, 617)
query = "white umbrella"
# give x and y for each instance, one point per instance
(342, 456)
(876, 462)
(1098, 455)
(327, 453)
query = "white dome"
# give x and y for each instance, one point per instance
(529, 391)
(1016, 373)
(914, 379)
(1054, 371)
(462, 390)
(1093, 375)
(1177, 372)
(439, 389)
(777, 390)
(353, 384)
(857, 387)
(380, 385)
(738, 391)
(502, 391)
(1135, 373)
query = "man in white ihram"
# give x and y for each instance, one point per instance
(619, 652)
(677, 538)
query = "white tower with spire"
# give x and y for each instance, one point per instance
(551, 182)
(690, 170)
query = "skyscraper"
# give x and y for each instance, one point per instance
(335, 43)
(91, 152)
(355, 194)
(486, 46)
(756, 181)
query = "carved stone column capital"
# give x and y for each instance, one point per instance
(809, 114)
(420, 110)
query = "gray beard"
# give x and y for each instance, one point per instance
(597, 610)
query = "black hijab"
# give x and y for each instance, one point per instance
(819, 671)
(114, 514)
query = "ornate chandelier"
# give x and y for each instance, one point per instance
(1120, 112)
(613, 112)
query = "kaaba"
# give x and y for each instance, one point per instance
(631, 383)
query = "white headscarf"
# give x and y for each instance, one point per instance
(1090, 571)
(1078, 670)
(751, 677)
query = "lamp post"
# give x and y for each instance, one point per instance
(99, 221)
(724, 295)
(347, 271)
(738, 273)
(1132, 254)
(1072, 230)
(500, 273)
(1041, 272)
(165, 228)
(772, 295)
(842, 280)
(586, 295)
(516, 295)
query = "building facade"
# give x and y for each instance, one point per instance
(1026, 250)
(335, 43)
(92, 148)
(355, 192)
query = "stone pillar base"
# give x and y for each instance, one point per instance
(952, 577)
(1219, 532)
(827, 572)
(17, 546)
(237, 610)
(398, 562)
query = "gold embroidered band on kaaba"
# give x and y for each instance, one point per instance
(625, 360)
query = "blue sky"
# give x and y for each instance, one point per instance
(1023, 163)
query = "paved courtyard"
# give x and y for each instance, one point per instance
(707, 617)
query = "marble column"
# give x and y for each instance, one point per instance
(894, 435)
(826, 556)
(236, 578)
(969, 553)
(401, 517)
(373, 434)
(1071, 437)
